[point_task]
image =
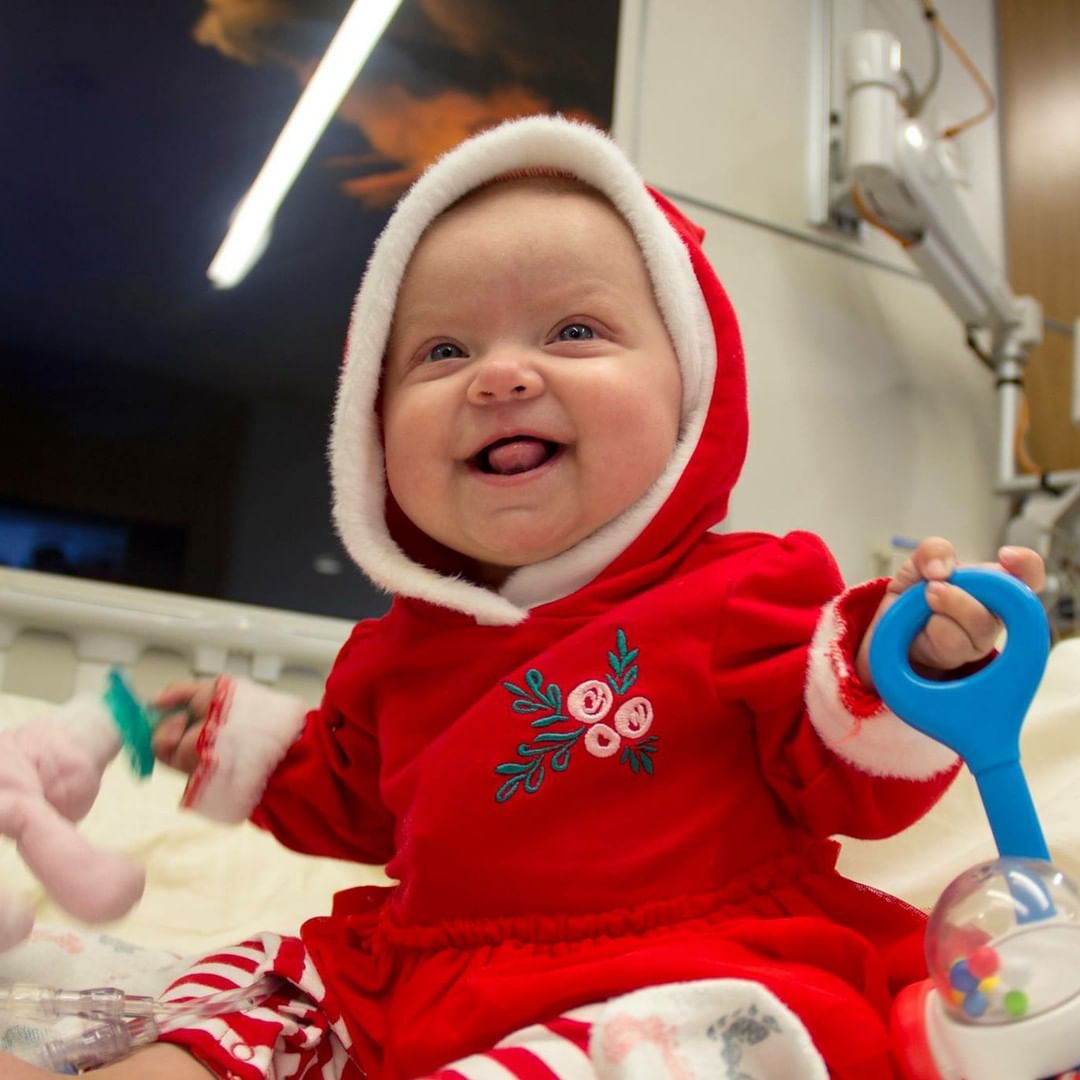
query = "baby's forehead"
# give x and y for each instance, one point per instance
(549, 224)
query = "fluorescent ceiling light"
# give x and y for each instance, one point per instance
(249, 229)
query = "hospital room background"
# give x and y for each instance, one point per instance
(875, 415)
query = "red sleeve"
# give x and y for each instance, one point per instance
(323, 798)
(311, 777)
(839, 761)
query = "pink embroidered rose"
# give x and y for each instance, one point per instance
(601, 740)
(634, 717)
(589, 702)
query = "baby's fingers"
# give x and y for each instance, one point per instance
(934, 559)
(1025, 564)
(960, 630)
(176, 740)
(177, 695)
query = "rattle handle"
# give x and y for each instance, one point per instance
(1016, 829)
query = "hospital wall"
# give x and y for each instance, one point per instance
(869, 416)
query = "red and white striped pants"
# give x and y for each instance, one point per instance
(285, 1028)
(289, 1036)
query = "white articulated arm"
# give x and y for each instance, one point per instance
(901, 181)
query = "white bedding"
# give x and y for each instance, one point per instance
(210, 884)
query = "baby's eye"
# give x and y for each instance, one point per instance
(445, 350)
(576, 332)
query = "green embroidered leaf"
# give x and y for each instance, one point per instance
(535, 681)
(630, 679)
(515, 690)
(525, 750)
(508, 789)
(647, 748)
(511, 768)
(559, 736)
(524, 705)
(620, 641)
(561, 758)
(613, 660)
(534, 780)
(624, 755)
(547, 721)
(612, 683)
(554, 695)
(630, 657)
(647, 763)
(635, 764)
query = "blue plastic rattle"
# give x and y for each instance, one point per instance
(978, 716)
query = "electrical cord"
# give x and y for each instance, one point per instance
(916, 100)
(988, 94)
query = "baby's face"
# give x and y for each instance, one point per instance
(531, 393)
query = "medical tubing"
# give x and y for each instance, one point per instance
(108, 1003)
(94, 1047)
(125, 1021)
(46, 1003)
(175, 1014)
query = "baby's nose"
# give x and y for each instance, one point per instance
(504, 378)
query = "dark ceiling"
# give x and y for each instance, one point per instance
(128, 142)
(134, 397)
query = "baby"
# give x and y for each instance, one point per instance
(602, 748)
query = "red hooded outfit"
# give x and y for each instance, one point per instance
(622, 769)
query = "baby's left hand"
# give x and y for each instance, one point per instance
(960, 630)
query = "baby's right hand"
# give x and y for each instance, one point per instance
(175, 738)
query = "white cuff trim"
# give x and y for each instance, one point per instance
(247, 733)
(877, 742)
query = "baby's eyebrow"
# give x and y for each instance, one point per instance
(576, 296)
(422, 316)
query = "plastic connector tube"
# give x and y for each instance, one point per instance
(123, 1022)
(94, 1047)
(46, 1003)
(28, 1001)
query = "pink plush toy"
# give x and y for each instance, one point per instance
(50, 772)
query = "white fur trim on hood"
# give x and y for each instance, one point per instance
(356, 454)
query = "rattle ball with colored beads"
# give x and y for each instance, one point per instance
(1003, 942)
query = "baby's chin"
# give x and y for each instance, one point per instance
(492, 569)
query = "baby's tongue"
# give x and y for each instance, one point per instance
(516, 456)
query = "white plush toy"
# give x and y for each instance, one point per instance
(50, 772)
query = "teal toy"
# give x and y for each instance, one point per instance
(134, 721)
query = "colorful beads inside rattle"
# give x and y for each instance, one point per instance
(979, 982)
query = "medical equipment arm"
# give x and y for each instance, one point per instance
(901, 182)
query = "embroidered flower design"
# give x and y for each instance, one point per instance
(602, 741)
(591, 701)
(634, 718)
(589, 704)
